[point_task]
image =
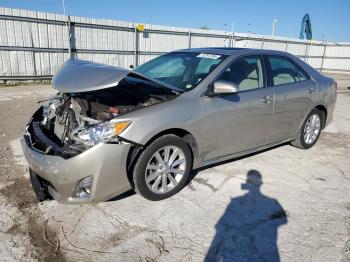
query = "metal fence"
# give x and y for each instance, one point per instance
(33, 45)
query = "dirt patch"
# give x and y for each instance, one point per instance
(347, 243)
(17, 199)
(31, 223)
(335, 140)
(20, 193)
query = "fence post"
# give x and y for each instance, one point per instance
(306, 52)
(262, 43)
(233, 39)
(323, 56)
(189, 39)
(71, 38)
(136, 47)
(68, 24)
(32, 43)
(286, 48)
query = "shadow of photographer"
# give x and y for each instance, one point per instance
(248, 229)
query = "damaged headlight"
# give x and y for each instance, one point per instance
(49, 109)
(102, 132)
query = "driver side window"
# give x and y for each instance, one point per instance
(246, 73)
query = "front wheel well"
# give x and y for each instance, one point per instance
(135, 151)
(185, 135)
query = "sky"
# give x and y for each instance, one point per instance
(329, 18)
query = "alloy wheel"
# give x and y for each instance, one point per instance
(312, 129)
(165, 169)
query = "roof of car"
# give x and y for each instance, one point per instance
(230, 50)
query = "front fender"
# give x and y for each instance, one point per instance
(179, 113)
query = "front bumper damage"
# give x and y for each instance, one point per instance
(107, 163)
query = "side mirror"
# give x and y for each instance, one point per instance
(225, 87)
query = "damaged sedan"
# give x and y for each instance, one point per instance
(109, 130)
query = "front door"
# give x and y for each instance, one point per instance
(237, 122)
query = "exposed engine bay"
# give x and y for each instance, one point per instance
(77, 121)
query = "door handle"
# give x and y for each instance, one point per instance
(311, 90)
(266, 99)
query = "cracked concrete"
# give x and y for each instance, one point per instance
(295, 205)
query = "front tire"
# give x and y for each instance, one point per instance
(163, 168)
(310, 130)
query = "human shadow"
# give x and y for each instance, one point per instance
(248, 229)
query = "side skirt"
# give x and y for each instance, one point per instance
(242, 153)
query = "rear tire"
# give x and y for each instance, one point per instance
(163, 168)
(310, 130)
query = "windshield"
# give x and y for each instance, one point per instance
(184, 70)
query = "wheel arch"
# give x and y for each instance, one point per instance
(135, 151)
(324, 110)
(182, 133)
(319, 107)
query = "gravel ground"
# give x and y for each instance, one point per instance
(299, 209)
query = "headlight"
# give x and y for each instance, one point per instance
(49, 109)
(102, 132)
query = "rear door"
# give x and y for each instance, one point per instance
(237, 122)
(294, 94)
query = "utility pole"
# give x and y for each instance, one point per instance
(64, 7)
(274, 26)
(225, 43)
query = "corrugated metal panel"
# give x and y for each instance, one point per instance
(161, 42)
(109, 59)
(146, 58)
(199, 41)
(335, 63)
(296, 49)
(315, 62)
(274, 45)
(315, 50)
(339, 51)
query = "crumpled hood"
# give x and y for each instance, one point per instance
(82, 76)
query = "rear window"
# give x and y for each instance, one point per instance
(285, 72)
